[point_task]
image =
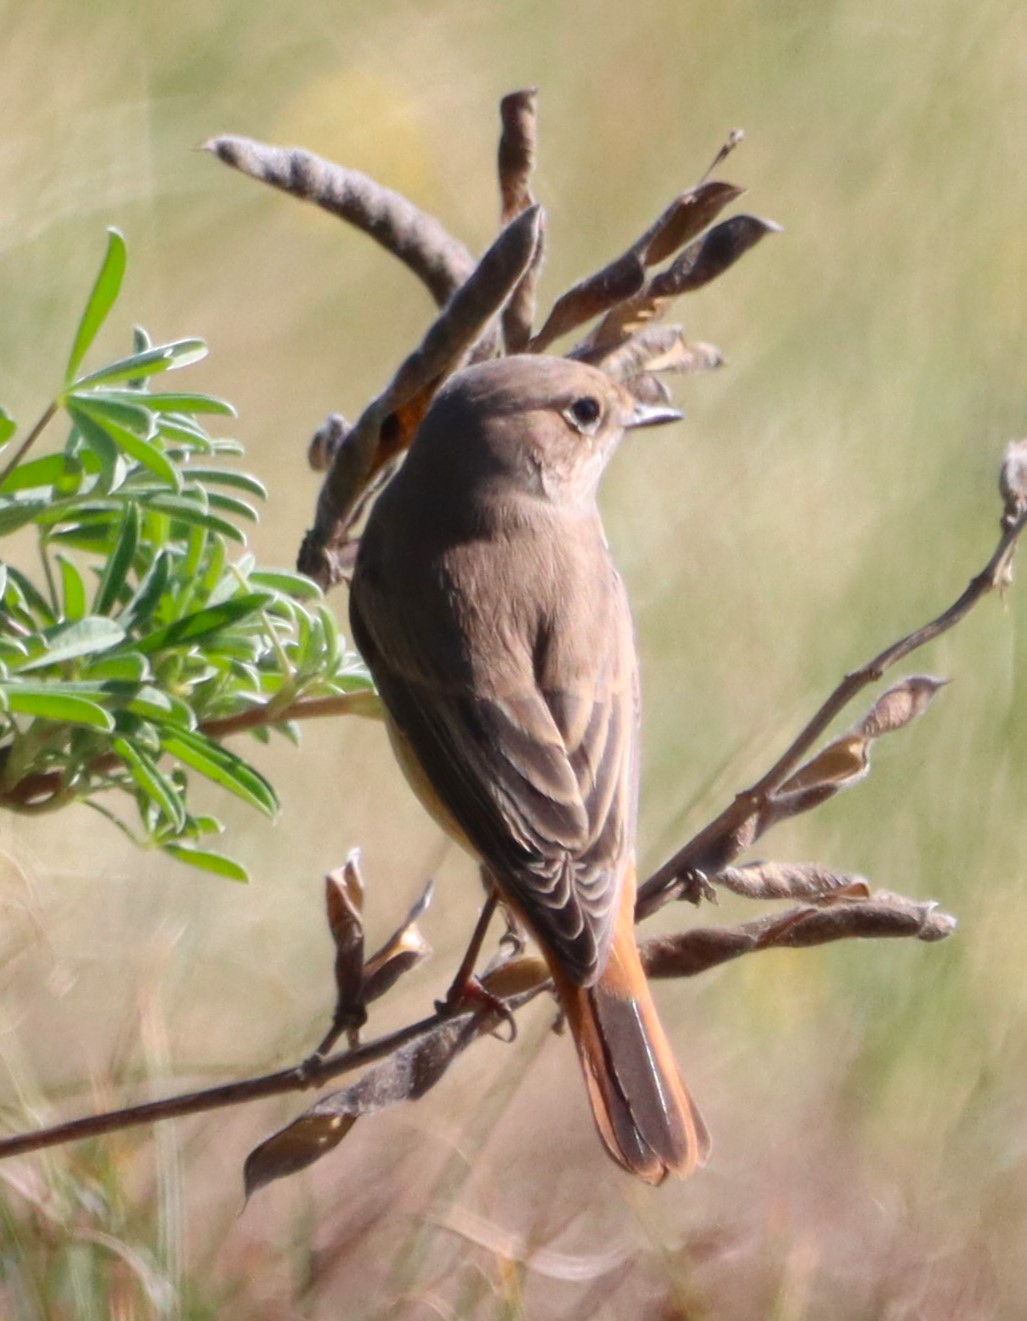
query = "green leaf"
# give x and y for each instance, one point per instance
(15, 513)
(40, 701)
(45, 472)
(87, 413)
(242, 481)
(152, 704)
(32, 598)
(202, 623)
(189, 511)
(175, 401)
(73, 589)
(223, 767)
(91, 535)
(151, 780)
(207, 861)
(119, 564)
(139, 610)
(100, 301)
(229, 504)
(81, 638)
(8, 426)
(128, 666)
(333, 643)
(296, 585)
(185, 433)
(126, 411)
(112, 466)
(161, 358)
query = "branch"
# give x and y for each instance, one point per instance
(29, 441)
(33, 792)
(516, 162)
(719, 842)
(438, 1038)
(402, 229)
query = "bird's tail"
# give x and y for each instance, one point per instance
(648, 1122)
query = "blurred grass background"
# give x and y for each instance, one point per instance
(831, 488)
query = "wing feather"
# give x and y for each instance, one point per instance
(539, 777)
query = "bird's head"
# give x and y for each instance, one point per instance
(544, 425)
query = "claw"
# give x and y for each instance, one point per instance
(472, 997)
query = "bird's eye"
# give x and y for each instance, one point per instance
(584, 413)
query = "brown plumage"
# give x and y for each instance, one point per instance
(498, 632)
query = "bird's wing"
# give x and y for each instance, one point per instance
(540, 779)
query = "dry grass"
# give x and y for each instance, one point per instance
(831, 488)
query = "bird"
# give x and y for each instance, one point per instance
(486, 604)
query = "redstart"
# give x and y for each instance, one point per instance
(497, 629)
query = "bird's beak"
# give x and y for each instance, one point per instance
(651, 415)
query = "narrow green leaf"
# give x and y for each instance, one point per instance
(174, 401)
(242, 481)
(197, 826)
(128, 666)
(151, 703)
(81, 638)
(184, 432)
(92, 536)
(202, 623)
(151, 780)
(100, 301)
(39, 701)
(33, 600)
(119, 564)
(207, 861)
(333, 643)
(223, 767)
(9, 651)
(16, 512)
(295, 585)
(161, 358)
(224, 445)
(45, 472)
(188, 511)
(127, 411)
(215, 571)
(113, 467)
(230, 504)
(83, 509)
(8, 426)
(69, 480)
(73, 589)
(88, 415)
(139, 610)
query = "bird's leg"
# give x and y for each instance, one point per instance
(465, 973)
(513, 939)
(466, 991)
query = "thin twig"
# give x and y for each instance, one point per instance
(707, 851)
(311, 1073)
(682, 955)
(403, 229)
(33, 793)
(516, 162)
(28, 442)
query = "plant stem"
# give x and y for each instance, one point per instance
(28, 442)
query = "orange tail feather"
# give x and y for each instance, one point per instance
(648, 1122)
